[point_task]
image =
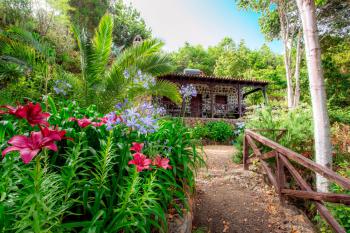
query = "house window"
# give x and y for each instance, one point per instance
(221, 99)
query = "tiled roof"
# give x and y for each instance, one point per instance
(208, 77)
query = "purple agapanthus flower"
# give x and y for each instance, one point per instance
(126, 74)
(142, 118)
(61, 87)
(188, 91)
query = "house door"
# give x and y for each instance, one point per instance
(196, 106)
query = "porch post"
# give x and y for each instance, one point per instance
(265, 95)
(240, 101)
(212, 96)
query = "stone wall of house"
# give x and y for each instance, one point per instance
(192, 121)
(225, 90)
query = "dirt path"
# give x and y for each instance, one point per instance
(230, 199)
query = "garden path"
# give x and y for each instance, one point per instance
(230, 199)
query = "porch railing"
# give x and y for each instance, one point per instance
(277, 176)
(219, 110)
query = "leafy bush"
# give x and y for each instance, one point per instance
(200, 131)
(341, 115)
(219, 131)
(89, 184)
(297, 125)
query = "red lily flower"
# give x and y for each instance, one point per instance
(29, 147)
(83, 123)
(141, 162)
(161, 162)
(102, 121)
(31, 112)
(137, 147)
(55, 132)
(35, 116)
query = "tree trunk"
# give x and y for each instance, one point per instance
(297, 71)
(318, 94)
(287, 60)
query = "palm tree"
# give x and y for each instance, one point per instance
(104, 77)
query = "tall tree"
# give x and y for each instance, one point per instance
(15, 12)
(323, 147)
(193, 56)
(87, 13)
(127, 24)
(279, 20)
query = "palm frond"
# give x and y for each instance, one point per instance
(156, 64)
(115, 88)
(131, 56)
(101, 49)
(167, 89)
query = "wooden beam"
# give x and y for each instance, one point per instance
(324, 212)
(316, 196)
(269, 174)
(253, 146)
(245, 153)
(281, 178)
(251, 92)
(324, 171)
(267, 155)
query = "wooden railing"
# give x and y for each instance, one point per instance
(276, 174)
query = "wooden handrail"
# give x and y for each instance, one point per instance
(324, 171)
(283, 156)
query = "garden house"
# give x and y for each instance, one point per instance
(217, 97)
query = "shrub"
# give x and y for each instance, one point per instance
(341, 115)
(219, 131)
(297, 124)
(200, 131)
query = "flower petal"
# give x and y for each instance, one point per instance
(19, 141)
(51, 146)
(27, 154)
(9, 149)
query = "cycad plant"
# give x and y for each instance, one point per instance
(108, 79)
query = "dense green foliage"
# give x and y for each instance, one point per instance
(30, 67)
(216, 131)
(127, 25)
(297, 125)
(87, 185)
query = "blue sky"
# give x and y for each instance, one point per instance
(203, 22)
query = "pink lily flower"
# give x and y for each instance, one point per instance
(31, 112)
(137, 147)
(83, 123)
(161, 162)
(141, 162)
(29, 147)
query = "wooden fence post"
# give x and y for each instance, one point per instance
(245, 152)
(281, 179)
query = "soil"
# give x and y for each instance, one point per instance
(230, 199)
